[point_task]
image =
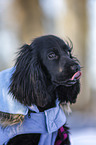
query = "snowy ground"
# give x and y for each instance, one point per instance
(82, 128)
(84, 137)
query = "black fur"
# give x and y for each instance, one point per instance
(25, 139)
(43, 71)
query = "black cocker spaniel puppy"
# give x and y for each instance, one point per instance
(45, 71)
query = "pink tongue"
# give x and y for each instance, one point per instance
(76, 76)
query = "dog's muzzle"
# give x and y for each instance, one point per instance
(69, 82)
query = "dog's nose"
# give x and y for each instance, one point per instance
(75, 67)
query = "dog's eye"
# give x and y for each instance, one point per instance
(52, 56)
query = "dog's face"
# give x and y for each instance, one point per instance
(56, 57)
(48, 71)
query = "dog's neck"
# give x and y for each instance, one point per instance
(51, 104)
(42, 109)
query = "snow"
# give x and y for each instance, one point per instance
(84, 137)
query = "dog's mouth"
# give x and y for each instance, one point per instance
(71, 81)
(74, 79)
(76, 76)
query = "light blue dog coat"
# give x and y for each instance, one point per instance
(47, 123)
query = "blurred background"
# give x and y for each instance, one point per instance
(23, 20)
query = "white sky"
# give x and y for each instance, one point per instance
(84, 137)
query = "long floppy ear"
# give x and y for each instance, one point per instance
(28, 82)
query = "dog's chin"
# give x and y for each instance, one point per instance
(68, 94)
(67, 83)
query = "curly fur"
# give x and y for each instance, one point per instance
(43, 70)
(28, 63)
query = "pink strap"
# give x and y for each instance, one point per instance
(62, 136)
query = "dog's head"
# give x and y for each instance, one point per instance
(44, 71)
